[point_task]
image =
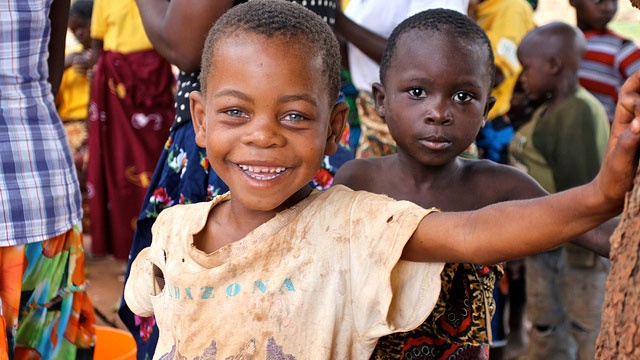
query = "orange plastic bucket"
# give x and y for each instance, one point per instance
(114, 344)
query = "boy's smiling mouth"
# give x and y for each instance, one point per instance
(262, 172)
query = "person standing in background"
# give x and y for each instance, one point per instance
(562, 147)
(46, 312)
(610, 58)
(72, 100)
(132, 107)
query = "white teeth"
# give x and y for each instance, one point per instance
(262, 172)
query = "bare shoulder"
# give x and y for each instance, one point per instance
(358, 173)
(502, 182)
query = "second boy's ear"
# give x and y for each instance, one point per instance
(198, 115)
(337, 123)
(378, 98)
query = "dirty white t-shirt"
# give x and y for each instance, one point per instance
(321, 280)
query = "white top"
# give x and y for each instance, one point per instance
(381, 17)
(321, 280)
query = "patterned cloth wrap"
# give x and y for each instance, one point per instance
(457, 328)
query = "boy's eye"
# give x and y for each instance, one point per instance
(461, 97)
(294, 117)
(417, 93)
(235, 113)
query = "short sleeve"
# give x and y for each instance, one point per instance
(139, 285)
(98, 20)
(389, 294)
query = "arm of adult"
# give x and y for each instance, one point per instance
(541, 223)
(367, 41)
(178, 28)
(58, 15)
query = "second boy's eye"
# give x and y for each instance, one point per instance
(461, 97)
(417, 93)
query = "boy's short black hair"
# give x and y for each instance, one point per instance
(81, 9)
(460, 27)
(284, 19)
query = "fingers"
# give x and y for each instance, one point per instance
(626, 135)
(628, 107)
(620, 161)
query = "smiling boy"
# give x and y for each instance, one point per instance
(267, 116)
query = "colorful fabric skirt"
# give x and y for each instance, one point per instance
(131, 111)
(46, 311)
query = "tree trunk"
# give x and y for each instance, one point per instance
(620, 334)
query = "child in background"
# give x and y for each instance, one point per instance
(72, 100)
(562, 146)
(276, 269)
(435, 98)
(610, 58)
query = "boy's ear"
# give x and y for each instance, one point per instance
(555, 64)
(378, 97)
(337, 123)
(197, 107)
(491, 101)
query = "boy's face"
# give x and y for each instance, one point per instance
(436, 95)
(81, 29)
(537, 75)
(594, 14)
(266, 120)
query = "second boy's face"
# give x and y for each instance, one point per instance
(266, 121)
(435, 96)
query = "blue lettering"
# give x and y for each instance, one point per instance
(233, 289)
(188, 292)
(176, 292)
(288, 284)
(207, 293)
(260, 286)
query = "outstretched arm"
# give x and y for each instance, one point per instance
(177, 28)
(541, 223)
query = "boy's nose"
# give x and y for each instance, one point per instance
(438, 113)
(264, 133)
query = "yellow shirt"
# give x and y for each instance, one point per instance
(118, 24)
(72, 100)
(506, 22)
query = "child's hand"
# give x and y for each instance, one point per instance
(81, 63)
(620, 162)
